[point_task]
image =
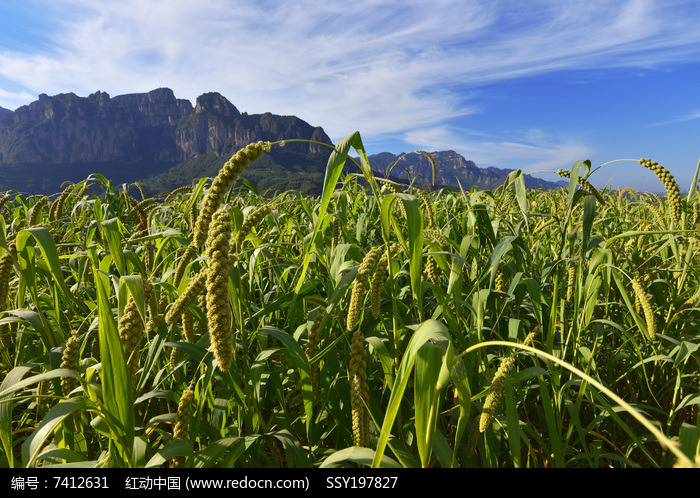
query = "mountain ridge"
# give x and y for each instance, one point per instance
(131, 137)
(165, 142)
(451, 169)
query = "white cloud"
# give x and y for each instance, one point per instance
(533, 151)
(11, 100)
(680, 119)
(376, 66)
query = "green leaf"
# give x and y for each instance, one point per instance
(48, 250)
(334, 168)
(293, 448)
(31, 448)
(116, 384)
(6, 389)
(386, 359)
(427, 371)
(114, 240)
(16, 385)
(174, 448)
(357, 455)
(228, 448)
(430, 329)
(135, 285)
(301, 362)
(518, 180)
(589, 211)
(414, 220)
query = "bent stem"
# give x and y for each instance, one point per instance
(663, 440)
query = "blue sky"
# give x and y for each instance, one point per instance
(532, 85)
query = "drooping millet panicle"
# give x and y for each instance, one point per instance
(571, 282)
(69, 360)
(472, 440)
(501, 282)
(182, 422)
(688, 303)
(57, 206)
(530, 338)
(141, 208)
(426, 206)
(192, 215)
(155, 317)
(621, 195)
(225, 178)
(432, 270)
(174, 358)
(645, 304)
(495, 391)
(312, 348)
(543, 224)
(360, 286)
(218, 300)
(194, 288)
(141, 190)
(251, 221)
(95, 348)
(638, 304)
(188, 327)
(131, 330)
(182, 264)
(437, 236)
(379, 277)
(151, 298)
(672, 190)
(3, 200)
(394, 188)
(7, 337)
(432, 164)
(660, 219)
(639, 242)
(174, 193)
(36, 209)
(585, 184)
(359, 391)
(6, 266)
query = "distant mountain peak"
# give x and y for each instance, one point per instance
(216, 103)
(154, 134)
(451, 169)
(137, 132)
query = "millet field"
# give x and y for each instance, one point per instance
(379, 325)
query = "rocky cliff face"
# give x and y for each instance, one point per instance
(145, 127)
(131, 137)
(217, 127)
(69, 129)
(156, 136)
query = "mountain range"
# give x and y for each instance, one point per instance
(164, 142)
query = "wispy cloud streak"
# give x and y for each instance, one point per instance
(377, 66)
